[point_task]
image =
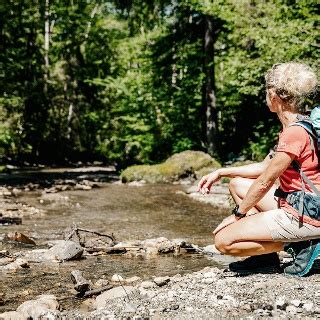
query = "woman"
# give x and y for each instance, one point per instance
(261, 226)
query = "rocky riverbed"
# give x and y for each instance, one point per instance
(52, 255)
(210, 293)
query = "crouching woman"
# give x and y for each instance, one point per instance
(262, 225)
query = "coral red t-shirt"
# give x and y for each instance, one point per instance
(295, 140)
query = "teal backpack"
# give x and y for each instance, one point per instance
(312, 126)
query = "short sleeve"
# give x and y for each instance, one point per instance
(293, 140)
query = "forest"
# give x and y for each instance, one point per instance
(134, 81)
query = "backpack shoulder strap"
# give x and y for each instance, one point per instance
(314, 136)
(308, 126)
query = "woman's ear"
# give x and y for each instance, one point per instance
(272, 93)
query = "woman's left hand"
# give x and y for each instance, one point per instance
(225, 222)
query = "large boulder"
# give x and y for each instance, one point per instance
(186, 164)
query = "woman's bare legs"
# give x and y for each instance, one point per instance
(248, 236)
(239, 187)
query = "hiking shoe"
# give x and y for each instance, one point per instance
(264, 263)
(293, 248)
(304, 259)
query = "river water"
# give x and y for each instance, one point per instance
(130, 213)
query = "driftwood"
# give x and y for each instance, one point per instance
(95, 292)
(110, 250)
(75, 231)
(10, 220)
(80, 283)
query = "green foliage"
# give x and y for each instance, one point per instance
(126, 79)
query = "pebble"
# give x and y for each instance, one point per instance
(281, 303)
(291, 309)
(161, 281)
(117, 278)
(208, 280)
(308, 306)
(297, 303)
(147, 284)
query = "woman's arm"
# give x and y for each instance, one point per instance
(253, 170)
(265, 181)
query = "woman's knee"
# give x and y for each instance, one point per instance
(222, 243)
(235, 184)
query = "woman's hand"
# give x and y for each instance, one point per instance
(207, 181)
(225, 222)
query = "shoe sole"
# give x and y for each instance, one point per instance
(260, 270)
(314, 256)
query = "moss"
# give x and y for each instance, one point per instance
(181, 165)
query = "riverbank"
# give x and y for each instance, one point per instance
(210, 293)
(157, 275)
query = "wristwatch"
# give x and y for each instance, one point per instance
(237, 213)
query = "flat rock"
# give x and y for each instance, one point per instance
(161, 281)
(40, 307)
(12, 315)
(20, 237)
(16, 265)
(118, 292)
(65, 250)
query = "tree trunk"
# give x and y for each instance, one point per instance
(210, 98)
(46, 45)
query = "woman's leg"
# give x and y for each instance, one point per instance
(249, 236)
(239, 187)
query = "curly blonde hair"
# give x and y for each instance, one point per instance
(293, 82)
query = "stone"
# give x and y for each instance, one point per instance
(308, 306)
(6, 260)
(65, 250)
(147, 284)
(118, 292)
(16, 265)
(161, 281)
(20, 237)
(179, 166)
(208, 280)
(132, 279)
(149, 251)
(209, 274)
(39, 308)
(297, 303)
(291, 309)
(101, 283)
(12, 315)
(281, 303)
(117, 278)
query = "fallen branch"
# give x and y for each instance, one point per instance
(95, 292)
(110, 250)
(75, 230)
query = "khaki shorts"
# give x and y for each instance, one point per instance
(285, 227)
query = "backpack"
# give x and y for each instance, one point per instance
(312, 126)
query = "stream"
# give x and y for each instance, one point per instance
(130, 213)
